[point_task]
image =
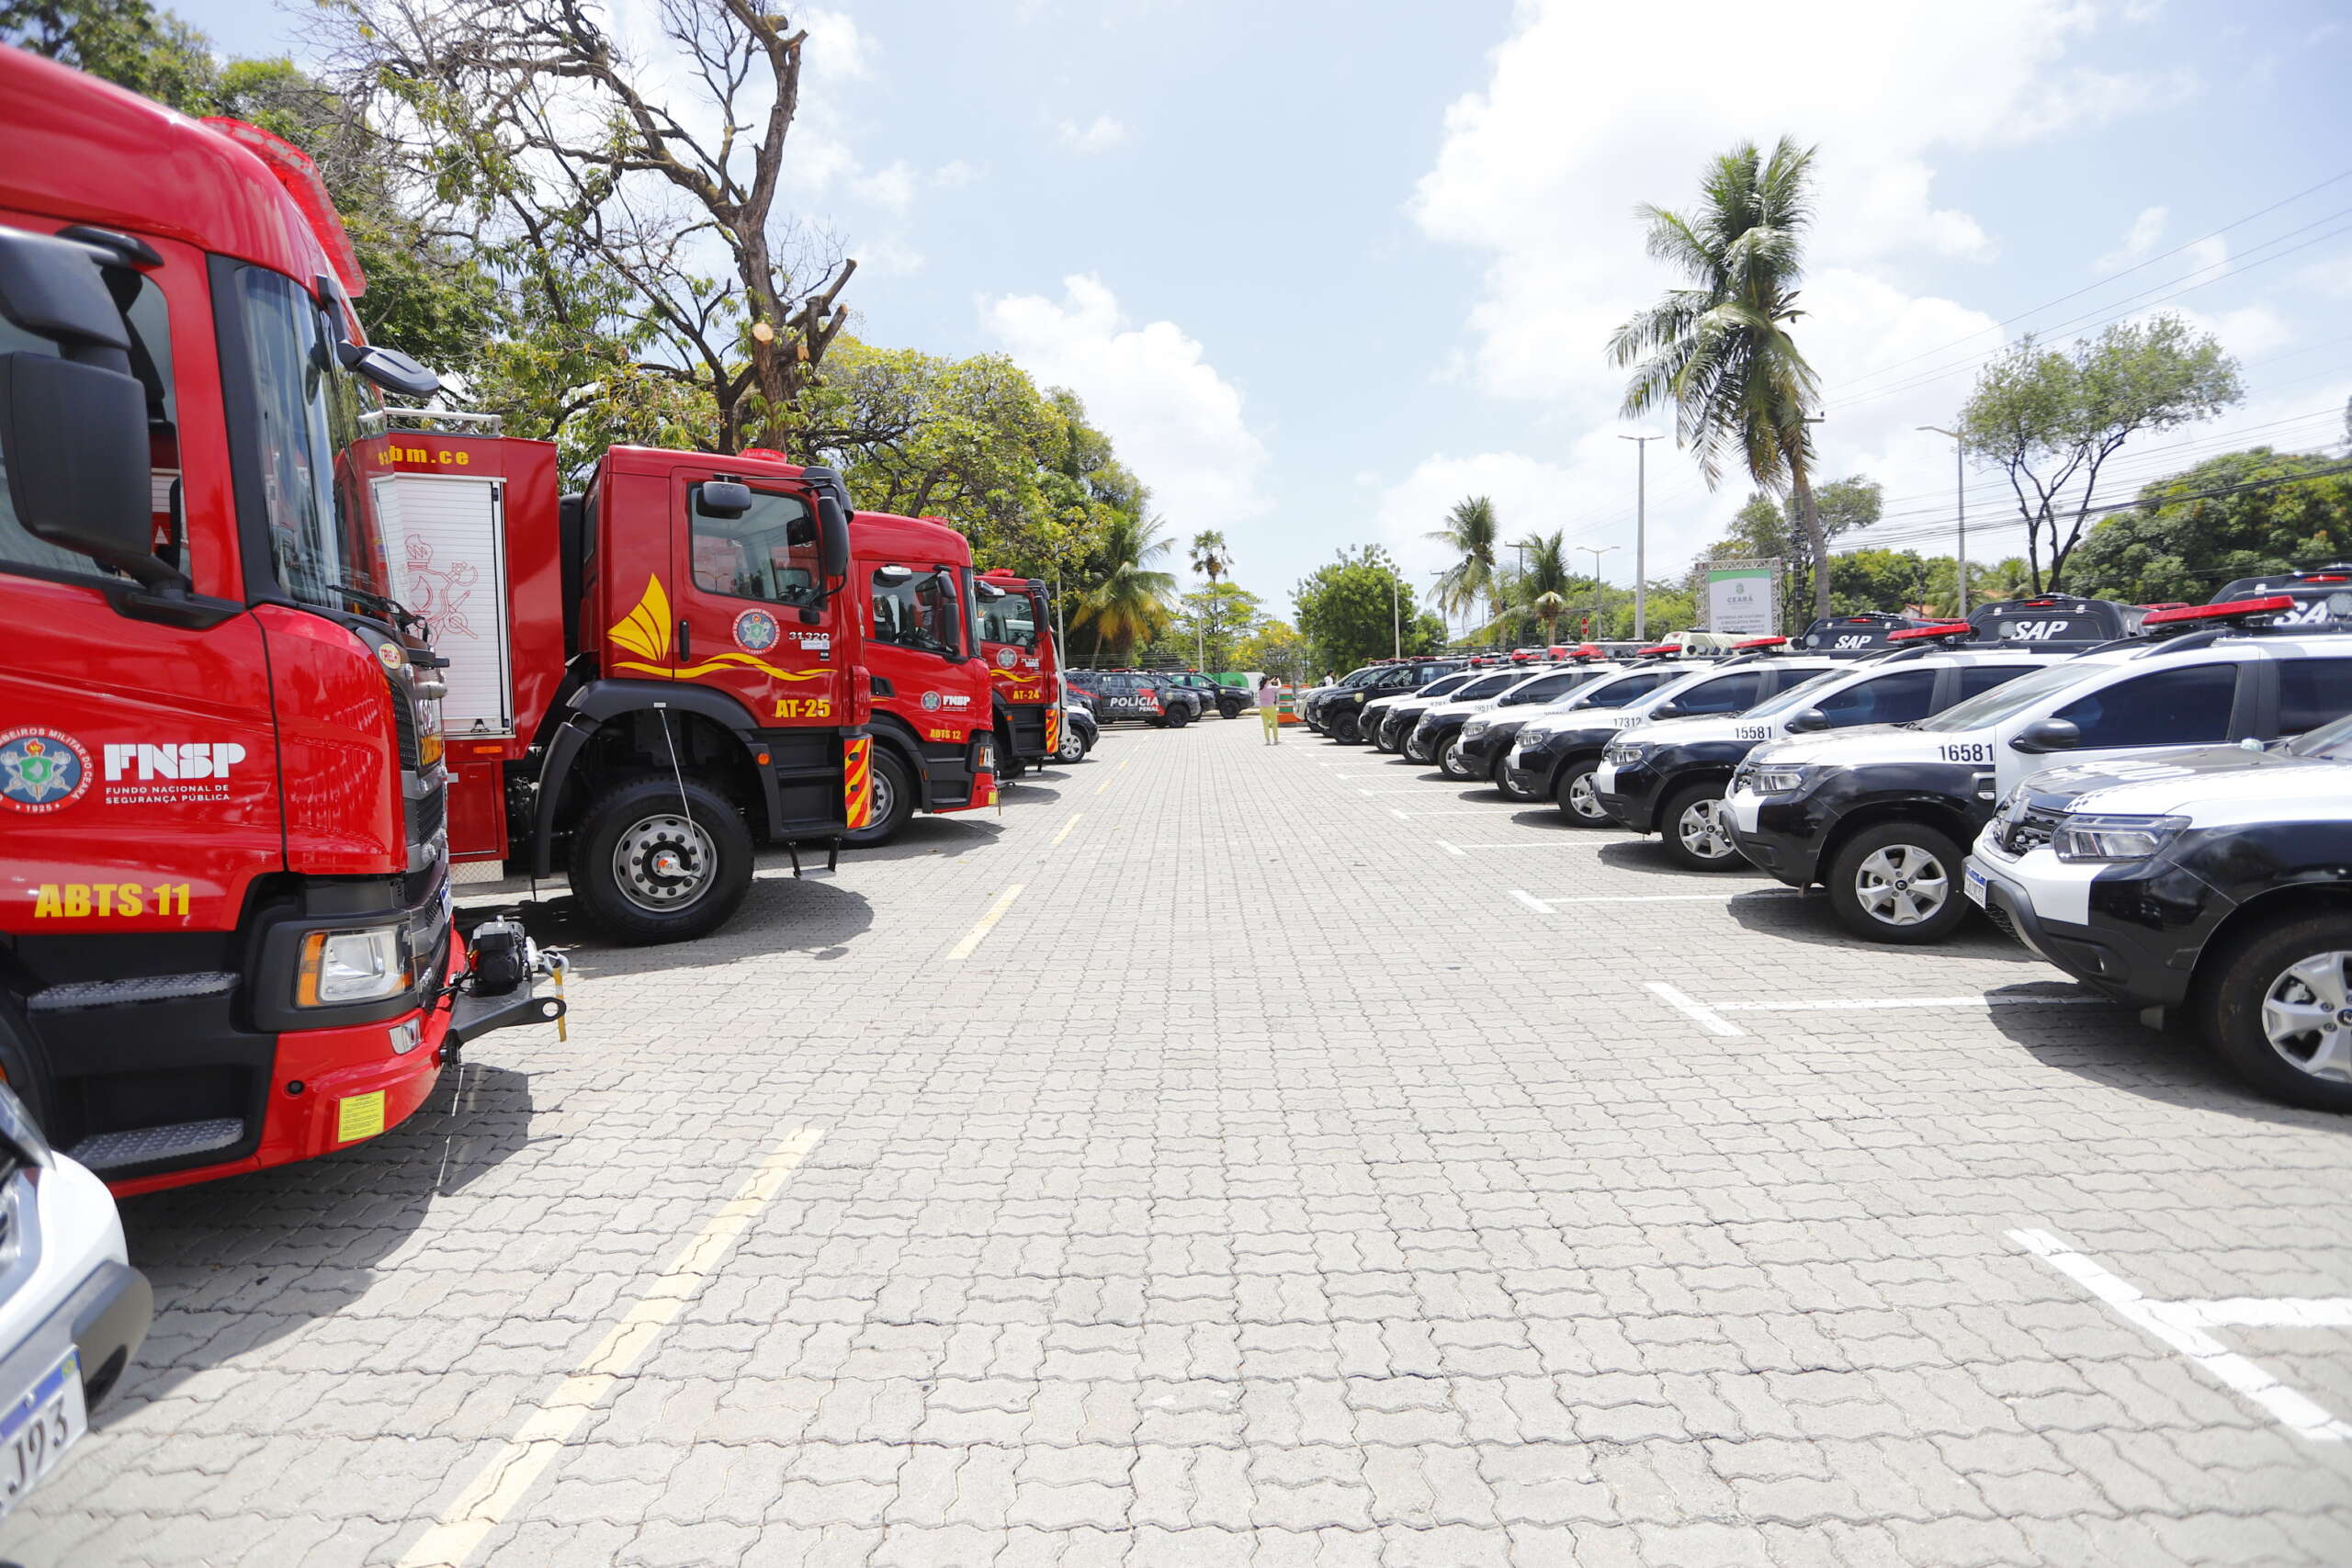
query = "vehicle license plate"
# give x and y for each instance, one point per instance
(1975, 886)
(38, 1428)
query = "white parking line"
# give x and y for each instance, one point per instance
(478, 1510)
(1409, 816)
(2175, 1323)
(1548, 905)
(1596, 841)
(1703, 1016)
(986, 924)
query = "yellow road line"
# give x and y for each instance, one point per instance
(484, 1504)
(1067, 826)
(1115, 773)
(986, 924)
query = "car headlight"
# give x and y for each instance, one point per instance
(352, 967)
(1533, 736)
(1624, 751)
(1776, 780)
(2093, 838)
(1475, 729)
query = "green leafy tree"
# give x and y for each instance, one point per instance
(128, 42)
(1212, 622)
(1472, 534)
(1129, 601)
(1276, 648)
(2050, 420)
(2167, 548)
(1720, 351)
(1350, 607)
(1770, 529)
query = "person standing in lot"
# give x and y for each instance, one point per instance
(1270, 708)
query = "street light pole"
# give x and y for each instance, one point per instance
(1960, 500)
(1396, 608)
(1641, 533)
(1596, 552)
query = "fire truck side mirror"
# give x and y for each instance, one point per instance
(73, 424)
(833, 536)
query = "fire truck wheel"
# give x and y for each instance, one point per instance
(2278, 1011)
(894, 802)
(647, 871)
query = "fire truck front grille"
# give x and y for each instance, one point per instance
(427, 816)
(404, 726)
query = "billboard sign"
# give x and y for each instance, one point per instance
(1741, 598)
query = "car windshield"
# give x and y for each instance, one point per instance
(1802, 694)
(315, 467)
(2332, 742)
(2010, 699)
(1441, 687)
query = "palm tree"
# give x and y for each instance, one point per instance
(1210, 556)
(1720, 351)
(1471, 531)
(1129, 602)
(1543, 580)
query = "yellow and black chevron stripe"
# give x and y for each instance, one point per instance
(857, 783)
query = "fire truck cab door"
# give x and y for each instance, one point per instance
(747, 585)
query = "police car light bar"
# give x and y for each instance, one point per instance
(1955, 630)
(2189, 615)
(1660, 648)
(1759, 642)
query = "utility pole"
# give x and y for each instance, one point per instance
(1960, 500)
(1396, 607)
(1641, 533)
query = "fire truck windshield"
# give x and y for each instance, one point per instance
(323, 541)
(1006, 617)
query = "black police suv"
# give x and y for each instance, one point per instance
(1879, 816)
(2212, 884)
(1851, 635)
(1437, 734)
(1115, 695)
(1401, 721)
(1225, 702)
(1558, 748)
(1380, 722)
(2056, 621)
(1486, 738)
(1342, 705)
(1670, 777)
(2323, 595)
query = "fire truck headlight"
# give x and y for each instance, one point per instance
(2107, 839)
(352, 967)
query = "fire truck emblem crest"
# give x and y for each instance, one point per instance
(756, 631)
(41, 771)
(1008, 657)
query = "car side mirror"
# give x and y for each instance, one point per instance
(2046, 735)
(724, 498)
(1668, 710)
(1811, 721)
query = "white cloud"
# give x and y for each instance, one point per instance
(893, 187)
(2139, 241)
(1099, 135)
(1539, 170)
(1176, 422)
(2332, 277)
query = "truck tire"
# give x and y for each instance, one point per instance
(895, 797)
(1697, 832)
(2277, 1013)
(1898, 882)
(1578, 802)
(648, 872)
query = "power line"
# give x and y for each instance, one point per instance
(2102, 283)
(2157, 503)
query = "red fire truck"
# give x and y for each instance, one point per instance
(1017, 640)
(646, 679)
(225, 923)
(933, 728)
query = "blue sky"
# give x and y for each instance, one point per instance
(1322, 269)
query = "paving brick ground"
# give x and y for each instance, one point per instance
(1268, 1186)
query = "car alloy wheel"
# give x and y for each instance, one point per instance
(1580, 800)
(1901, 885)
(1451, 762)
(2307, 1016)
(1704, 830)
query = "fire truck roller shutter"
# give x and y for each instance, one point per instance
(602, 702)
